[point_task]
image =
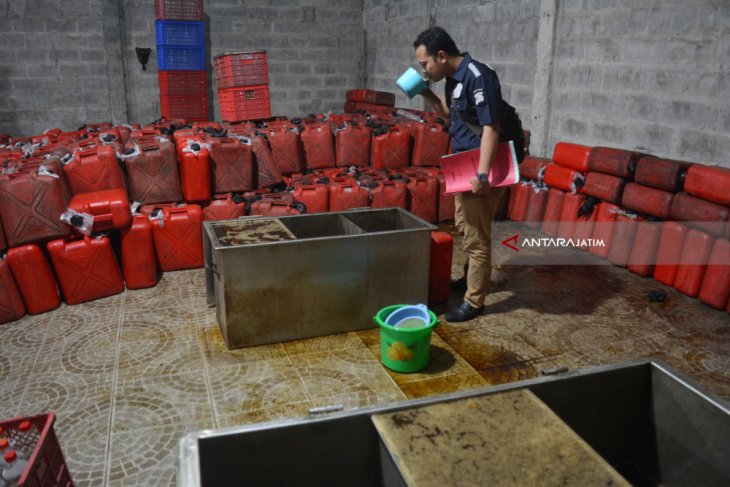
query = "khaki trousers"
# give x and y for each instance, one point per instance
(473, 217)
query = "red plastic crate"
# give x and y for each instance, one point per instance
(46, 465)
(189, 107)
(244, 103)
(177, 83)
(243, 68)
(179, 9)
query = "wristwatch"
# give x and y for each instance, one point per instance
(482, 176)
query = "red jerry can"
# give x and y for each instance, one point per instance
(318, 144)
(124, 132)
(267, 172)
(644, 248)
(147, 210)
(569, 215)
(587, 215)
(536, 202)
(622, 239)
(225, 207)
(664, 174)
(110, 209)
(553, 210)
(715, 289)
(207, 126)
(232, 164)
(572, 156)
(352, 145)
(447, 202)
(345, 196)
(86, 269)
(153, 172)
(430, 142)
(195, 172)
(183, 134)
(389, 194)
(616, 162)
(423, 197)
(315, 197)
(31, 205)
(112, 137)
(275, 207)
(604, 187)
(3, 242)
(34, 279)
(711, 183)
(371, 96)
(532, 168)
(606, 215)
(555, 176)
(693, 262)
(11, 304)
(286, 149)
(94, 169)
(518, 208)
(439, 274)
(669, 252)
(139, 264)
(391, 147)
(701, 214)
(178, 238)
(646, 200)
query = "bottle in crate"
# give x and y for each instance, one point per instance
(139, 264)
(14, 467)
(232, 164)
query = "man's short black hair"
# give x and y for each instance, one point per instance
(436, 39)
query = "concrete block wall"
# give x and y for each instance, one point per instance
(53, 66)
(502, 34)
(651, 75)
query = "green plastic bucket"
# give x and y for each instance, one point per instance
(404, 349)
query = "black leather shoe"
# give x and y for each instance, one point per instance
(458, 285)
(463, 312)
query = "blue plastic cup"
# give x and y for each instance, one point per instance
(411, 83)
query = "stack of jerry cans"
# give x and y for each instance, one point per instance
(180, 33)
(243, 85)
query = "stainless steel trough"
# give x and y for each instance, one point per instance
(648, 422)
(292, 277)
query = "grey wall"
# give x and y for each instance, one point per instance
(649, 74)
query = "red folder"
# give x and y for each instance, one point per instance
(461, 167)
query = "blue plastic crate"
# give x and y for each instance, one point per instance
(180, 58)
(179, 33)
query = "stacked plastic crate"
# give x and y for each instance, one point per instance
(243, 85)
(180, 35)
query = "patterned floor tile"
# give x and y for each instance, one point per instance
(147, 459)
(341, 372)
(84, 436)
(65, 393)
(87, 353)
(161, 402)
(13, 390)
(295, 410)
(324, 344)
(217, 354)
(360, 397)
(444, 385)
(86, 462)
(162, 356)
(255, 385)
